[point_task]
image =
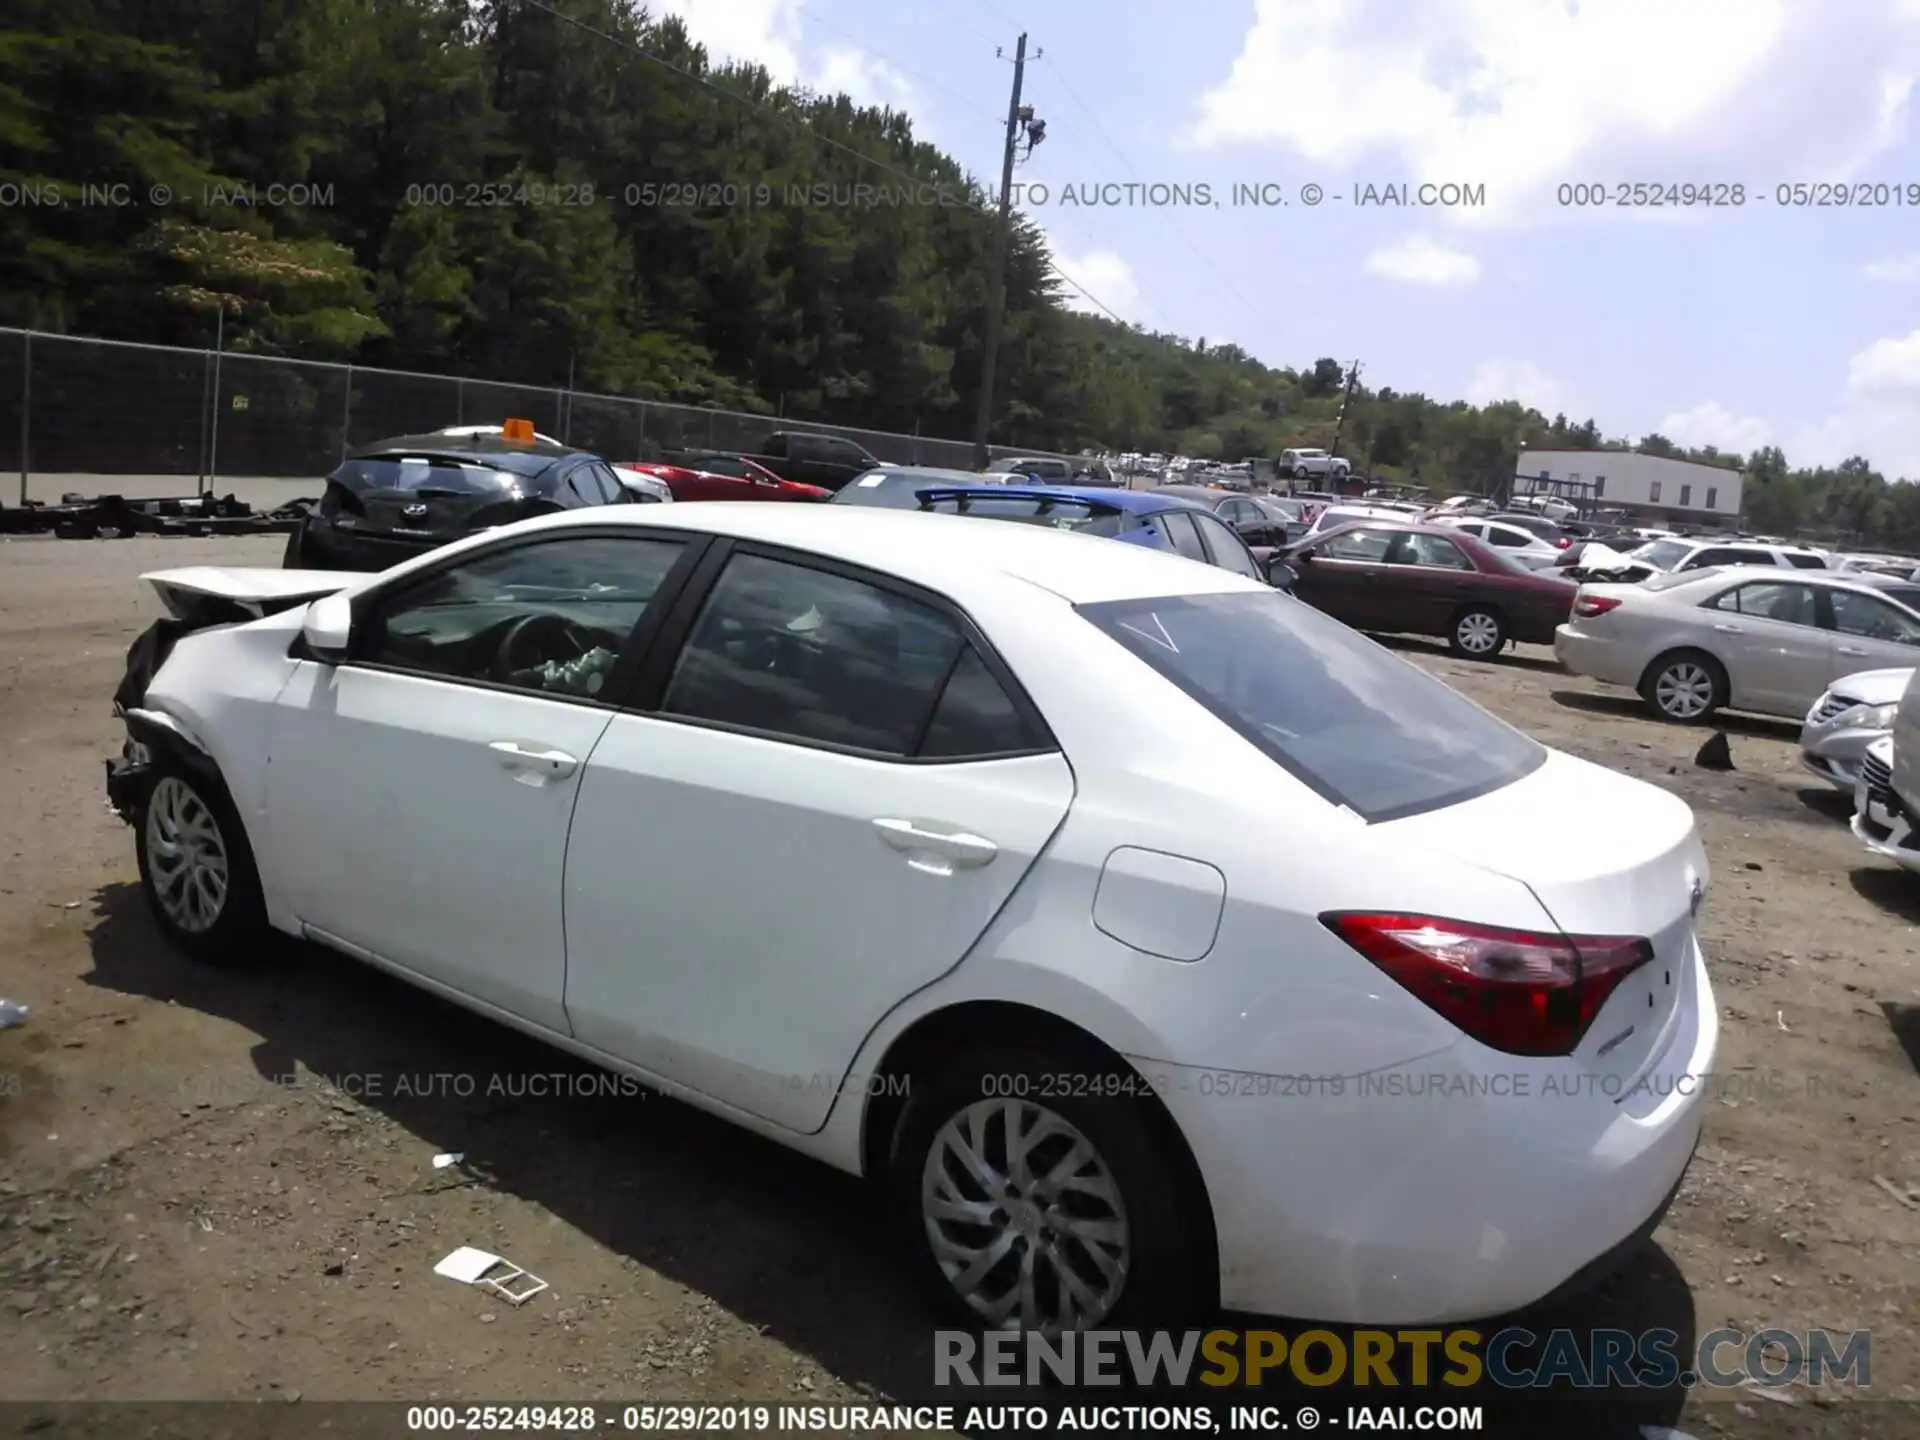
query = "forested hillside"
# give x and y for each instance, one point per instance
(492, 191)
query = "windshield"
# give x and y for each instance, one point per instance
(1063, 514)
(1347, 717)
(1663, 554)
(1676, 580)
(406, 473)
(1287, 510)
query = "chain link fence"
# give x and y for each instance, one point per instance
(97, 416)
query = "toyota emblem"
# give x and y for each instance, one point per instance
(414, 511)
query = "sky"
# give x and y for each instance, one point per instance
(1444, 190)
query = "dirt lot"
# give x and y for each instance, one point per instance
(201, 1196)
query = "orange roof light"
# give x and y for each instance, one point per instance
(517, 430)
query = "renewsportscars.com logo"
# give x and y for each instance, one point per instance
(1513, 1359)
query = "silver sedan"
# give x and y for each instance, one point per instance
(1756, 638)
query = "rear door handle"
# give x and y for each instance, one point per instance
(1851, 650)
(533, 763)
(938, 852)
(1728, 629)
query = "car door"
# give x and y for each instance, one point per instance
(1344, 576)
(419, 793)
(1868, 632)
(1176, 527)
(823, 792)
(1427, 579)
(1767, 633)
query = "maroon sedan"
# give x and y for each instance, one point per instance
(1411, 579)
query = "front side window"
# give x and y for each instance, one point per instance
(551, 616)
(1872, 618)
(1508, 538)
(1366, 545)
(814, 656)
(1433, 551)
(1787, 604)
(1349, 718)
(1226, 549)
(1177, 526)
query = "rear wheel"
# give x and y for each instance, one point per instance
(1685, 686)
(1479, 632)
(197, 868)
(1030, 1208)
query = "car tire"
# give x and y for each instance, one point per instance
(205, 895)
(1684, 687)
(1301, 472)
(1153, 1222)
(1479, 632)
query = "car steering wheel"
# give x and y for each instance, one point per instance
(529, 641)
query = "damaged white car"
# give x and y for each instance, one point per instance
(1154, 941)
(1849, 716)
(1886, 799)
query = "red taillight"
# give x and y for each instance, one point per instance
(1589, 606)
(1518, 991)
(1562, 543)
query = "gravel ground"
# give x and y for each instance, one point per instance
(200, 1196)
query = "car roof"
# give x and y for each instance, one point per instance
(953, 554)
(524, 457)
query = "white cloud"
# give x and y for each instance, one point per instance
(1520, 380)
(1896, 270)
(862, 78)
(1877, 414)
(1101, 272)
(1421, 260)
(1712, 423)
(1523, 95)
(768, 32)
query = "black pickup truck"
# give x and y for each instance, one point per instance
(828, 461)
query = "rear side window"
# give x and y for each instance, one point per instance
(1349, 718)
(812, 656)
(1805, 562)
(976, 717)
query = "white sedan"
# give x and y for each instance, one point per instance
(1754, 637)
(1155, 940)
(1515, 541)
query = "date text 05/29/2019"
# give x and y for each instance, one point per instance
(1737, 195)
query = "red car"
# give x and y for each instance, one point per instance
(1414, 579)
(726, 477)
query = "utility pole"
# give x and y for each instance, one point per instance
(997, 282)
(1340, 420)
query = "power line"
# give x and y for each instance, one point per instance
(790, 117)
(1179, 229)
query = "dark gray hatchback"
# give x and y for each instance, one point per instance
(394, 499)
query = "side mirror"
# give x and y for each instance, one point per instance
(328, 627)
(1281, 575)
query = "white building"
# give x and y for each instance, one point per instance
(1650, 486)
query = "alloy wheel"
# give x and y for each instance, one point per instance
(1025, 1218)
(186, 856)
(1684, 690)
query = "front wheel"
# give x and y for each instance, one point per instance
(197, 868)
(1478, 633)
(1030, 1209)
(1685, 687)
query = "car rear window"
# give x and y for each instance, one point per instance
(1347, 717)
(405, 473)
(1063, 514)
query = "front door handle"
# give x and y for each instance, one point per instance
(532, 762)
(1728, 629)
(1852, 650)
(937, 852)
